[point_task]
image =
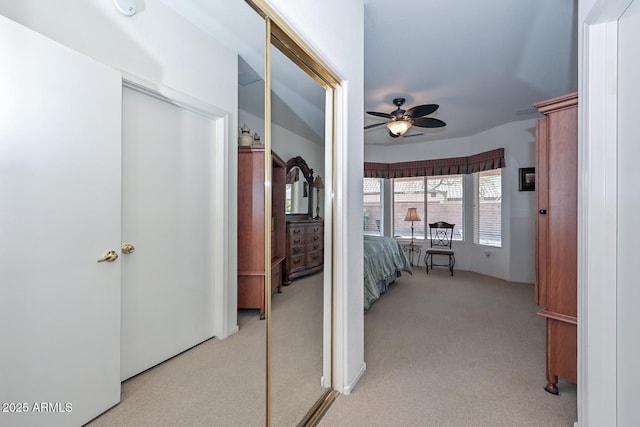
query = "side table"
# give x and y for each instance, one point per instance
(411, 249)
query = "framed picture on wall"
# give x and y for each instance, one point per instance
(527, 179)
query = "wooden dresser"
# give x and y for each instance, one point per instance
(251, 222)
(557, 233)
(305, 247)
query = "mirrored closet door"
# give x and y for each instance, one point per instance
(298, 135)
(277, 365)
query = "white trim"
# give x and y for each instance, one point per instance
(328, 241)
(223, 302)
(340, 314)
(597, 194)
(172, 96)
(348, 388)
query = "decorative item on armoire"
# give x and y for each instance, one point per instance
(256, 139)
(245, 137)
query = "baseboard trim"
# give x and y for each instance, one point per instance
(232, 331)
(351, 386)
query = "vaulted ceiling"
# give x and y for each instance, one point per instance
(484, 63)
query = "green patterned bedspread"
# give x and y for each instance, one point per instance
(384, 261)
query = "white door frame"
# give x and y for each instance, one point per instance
(224, 280)
(597, 195)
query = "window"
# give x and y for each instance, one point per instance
(442, 201)
(372, 214)
(287, 198)
(487, 212)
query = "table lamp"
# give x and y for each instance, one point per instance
(318, 185)
(412, 215)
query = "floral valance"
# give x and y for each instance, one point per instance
(488, 160)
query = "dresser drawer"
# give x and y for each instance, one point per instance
(298, 250)
(297, 262)
(313, 238)
(313, 247)
(314, 258)
(315, 229)
(296, 231)
(297, 240)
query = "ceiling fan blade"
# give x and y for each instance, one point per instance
(413, 134)
(428, 122)
(422, 110)
(375, 125)
(393, 135)
(385, 115)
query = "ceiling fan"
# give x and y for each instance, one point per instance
(402, 120)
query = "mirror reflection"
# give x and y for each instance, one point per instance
(299, 188)
(225, 374)
(298, 120)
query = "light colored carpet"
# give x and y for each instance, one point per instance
(222, 382)
(456, 351)
(467, 350)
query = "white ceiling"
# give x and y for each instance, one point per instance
(484, 62)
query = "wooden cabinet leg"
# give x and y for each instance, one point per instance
(552, 387)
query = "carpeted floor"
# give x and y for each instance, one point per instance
(222, 382)
(467, 350)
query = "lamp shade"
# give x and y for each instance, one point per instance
(398, 127)
(317, 183)
(412, 215)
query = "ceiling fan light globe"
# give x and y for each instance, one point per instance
(398, 127)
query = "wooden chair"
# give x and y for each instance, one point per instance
(440, 237)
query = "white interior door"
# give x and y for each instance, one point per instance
(168, 214)
(59, 212)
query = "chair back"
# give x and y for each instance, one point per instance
(441, 234)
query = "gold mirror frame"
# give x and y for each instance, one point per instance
(284, 38)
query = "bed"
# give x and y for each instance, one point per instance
(384, 261)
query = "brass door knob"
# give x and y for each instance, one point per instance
(110, 256)
(128, 248)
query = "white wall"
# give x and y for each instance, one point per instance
(287, 144)
(160, 47)
(515, 260)
(335, 29)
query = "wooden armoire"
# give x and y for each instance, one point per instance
(251, 223)
(557, 233)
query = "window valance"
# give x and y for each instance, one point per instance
(488, 160)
